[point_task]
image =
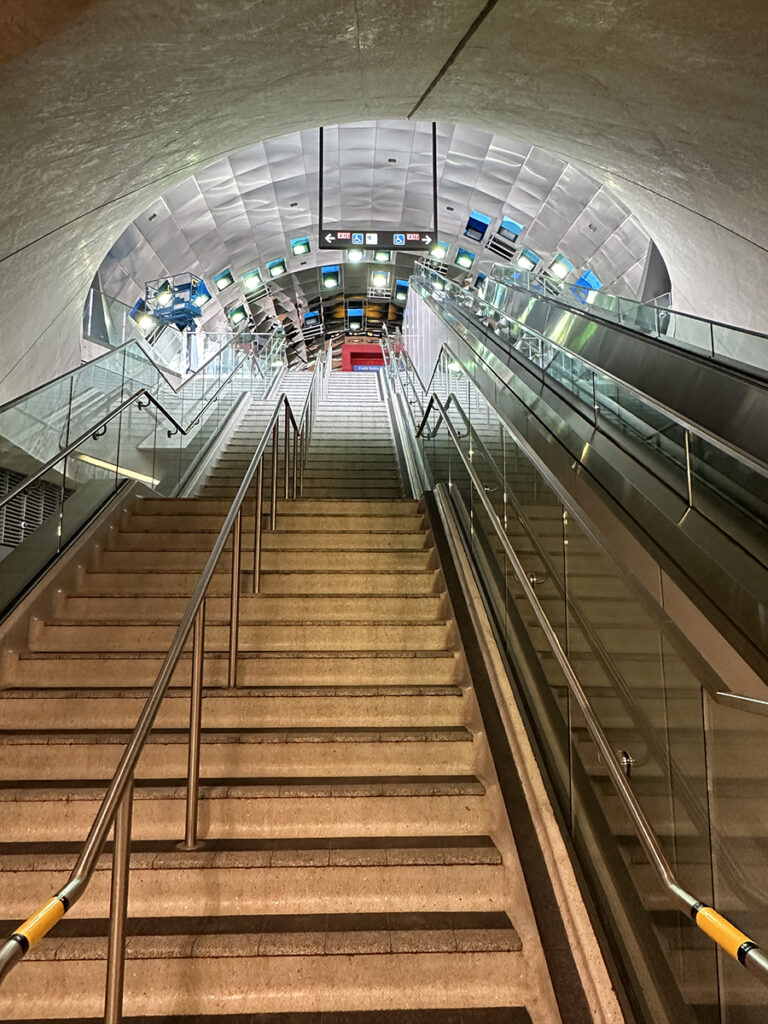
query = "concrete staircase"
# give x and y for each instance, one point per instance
(357, 862)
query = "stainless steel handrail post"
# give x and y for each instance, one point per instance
(295, 462)
(302, 457)
(234, 606)
(118, 912)
(688, 476)
(286, 451)
(257, 526)
(195, 723)
(273, 496)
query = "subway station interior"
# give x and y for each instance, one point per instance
(383, 512)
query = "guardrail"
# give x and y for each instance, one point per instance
(117, 806)
(733, 941)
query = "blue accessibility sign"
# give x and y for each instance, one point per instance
(357, 239)
(399, 240)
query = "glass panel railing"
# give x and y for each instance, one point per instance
(66, 447)
(729, 488)
(736, 769)
(650, 695)
(508, 288)
(178, 354)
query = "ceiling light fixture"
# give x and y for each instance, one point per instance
(223, 280)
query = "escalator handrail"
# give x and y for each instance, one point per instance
(717, 927)
(597, 313)
(741, 702)
(693, 428)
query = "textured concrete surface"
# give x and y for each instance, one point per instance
(106, 107)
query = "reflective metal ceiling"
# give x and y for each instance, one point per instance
(244, 209)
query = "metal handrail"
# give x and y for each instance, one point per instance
(117, 802)
(95, 427)
(682, 787)
(741, 702)
(557, 298)
(726, 935)
(687, 425)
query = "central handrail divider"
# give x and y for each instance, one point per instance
(115, 806)
(718, 928)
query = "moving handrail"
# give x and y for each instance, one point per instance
(718, 928)
(480, 306)
(741, 702)
(599, 305)
(116, 806)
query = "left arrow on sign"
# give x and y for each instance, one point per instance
(330, 238)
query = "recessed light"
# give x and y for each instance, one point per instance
(392, 160)
(294, 204)
(450, 208)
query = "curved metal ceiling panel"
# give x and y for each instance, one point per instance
(243, 210)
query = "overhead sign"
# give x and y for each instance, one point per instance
(415, 241)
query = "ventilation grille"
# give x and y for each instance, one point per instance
(501, 247)
(22, 516)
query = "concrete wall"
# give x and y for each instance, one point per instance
(107, 104)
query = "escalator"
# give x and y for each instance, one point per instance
(642, 539)
(355, 623)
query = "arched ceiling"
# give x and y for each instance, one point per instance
(244, 210)
(662, 101)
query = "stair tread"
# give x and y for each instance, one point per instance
(338, 851)
(262, 786)
(463, 1015)
(302, 934)
(182, 691)
(388, 734)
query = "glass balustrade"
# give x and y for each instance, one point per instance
(732, 491)
(545, 303)
(696, 765)
(114, 419)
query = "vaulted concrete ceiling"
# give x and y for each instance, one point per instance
(107, 105)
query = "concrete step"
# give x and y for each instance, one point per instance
(272, 560)
(303, 707)
(291, 519)
(339, 490)
(157, 985)
(262, 607)
(317, 668)
(298, 582)
(252, 807)
(204, 507)
(288, 635)
(94, 753)
(414, 540)
(419, 873)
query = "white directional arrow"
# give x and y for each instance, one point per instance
(427, 239)
(330, 238)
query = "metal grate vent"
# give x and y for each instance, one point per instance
(28, 510)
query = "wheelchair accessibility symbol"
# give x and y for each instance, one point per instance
(357, 239)
(399, 240)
